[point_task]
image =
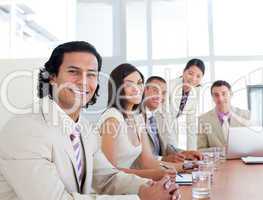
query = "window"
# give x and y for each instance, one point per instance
(4, 35)
(136, 30)
(237, 27)
(240, 74)
(197, 32)
(169, 29)
(255, 100)
(95, 25)
(31, 28)
(180, 28)
(168, 71)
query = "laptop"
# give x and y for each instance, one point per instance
(245, 141)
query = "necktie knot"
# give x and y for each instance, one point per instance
(151, 119)
(225, 118)
(75, 134)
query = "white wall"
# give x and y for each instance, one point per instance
(20, 88)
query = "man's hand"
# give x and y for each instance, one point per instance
(192, 155)
(174, 157)
(165, 189)
(184, 155)
(158, 174)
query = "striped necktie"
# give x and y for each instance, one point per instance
(76, 143)
(154, 134)
(225, 127)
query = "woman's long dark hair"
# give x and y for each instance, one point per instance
(116, 83)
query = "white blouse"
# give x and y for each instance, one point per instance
(127, 153)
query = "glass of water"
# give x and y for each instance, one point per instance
(222, 154)
(201, 185)
(211, 154)
(208, 166)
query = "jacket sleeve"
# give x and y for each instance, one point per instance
(109, 180)
(26, 165)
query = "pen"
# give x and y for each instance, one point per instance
(174, 149)
(166, 167)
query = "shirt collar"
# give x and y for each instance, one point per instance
(66, 121)
(150, 113)
(222, 115)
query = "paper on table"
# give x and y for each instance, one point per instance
(184, 179)
(252, 160)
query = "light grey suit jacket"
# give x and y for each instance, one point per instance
(210, 130)
(166, 132)
(37, 162)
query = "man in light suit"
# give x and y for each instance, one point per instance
(161, 130)
(214, 125)
(53, 154)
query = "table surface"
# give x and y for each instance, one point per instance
(234, 181)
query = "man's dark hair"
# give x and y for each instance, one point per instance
(116, 82)
(220, 83)
(158, 78)
(51, 67)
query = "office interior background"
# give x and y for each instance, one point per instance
(157, 36)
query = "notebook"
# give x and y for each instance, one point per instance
(184, 179)
(252, 160)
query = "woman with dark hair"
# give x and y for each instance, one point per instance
(184, 101)
(122, 127)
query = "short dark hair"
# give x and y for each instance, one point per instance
(158, 78)
(197, 62)
(220, 83)
(51, 67)
(116, 81)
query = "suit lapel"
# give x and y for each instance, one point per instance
(54, 117)
(161, 134)
(86, 172)
(88, 142)
(69, 150)
(148, 129)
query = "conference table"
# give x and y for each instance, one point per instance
(233, 181)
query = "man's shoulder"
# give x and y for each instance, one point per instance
(24, 136)
(207, 115)
(241, 112)
(23, 121)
